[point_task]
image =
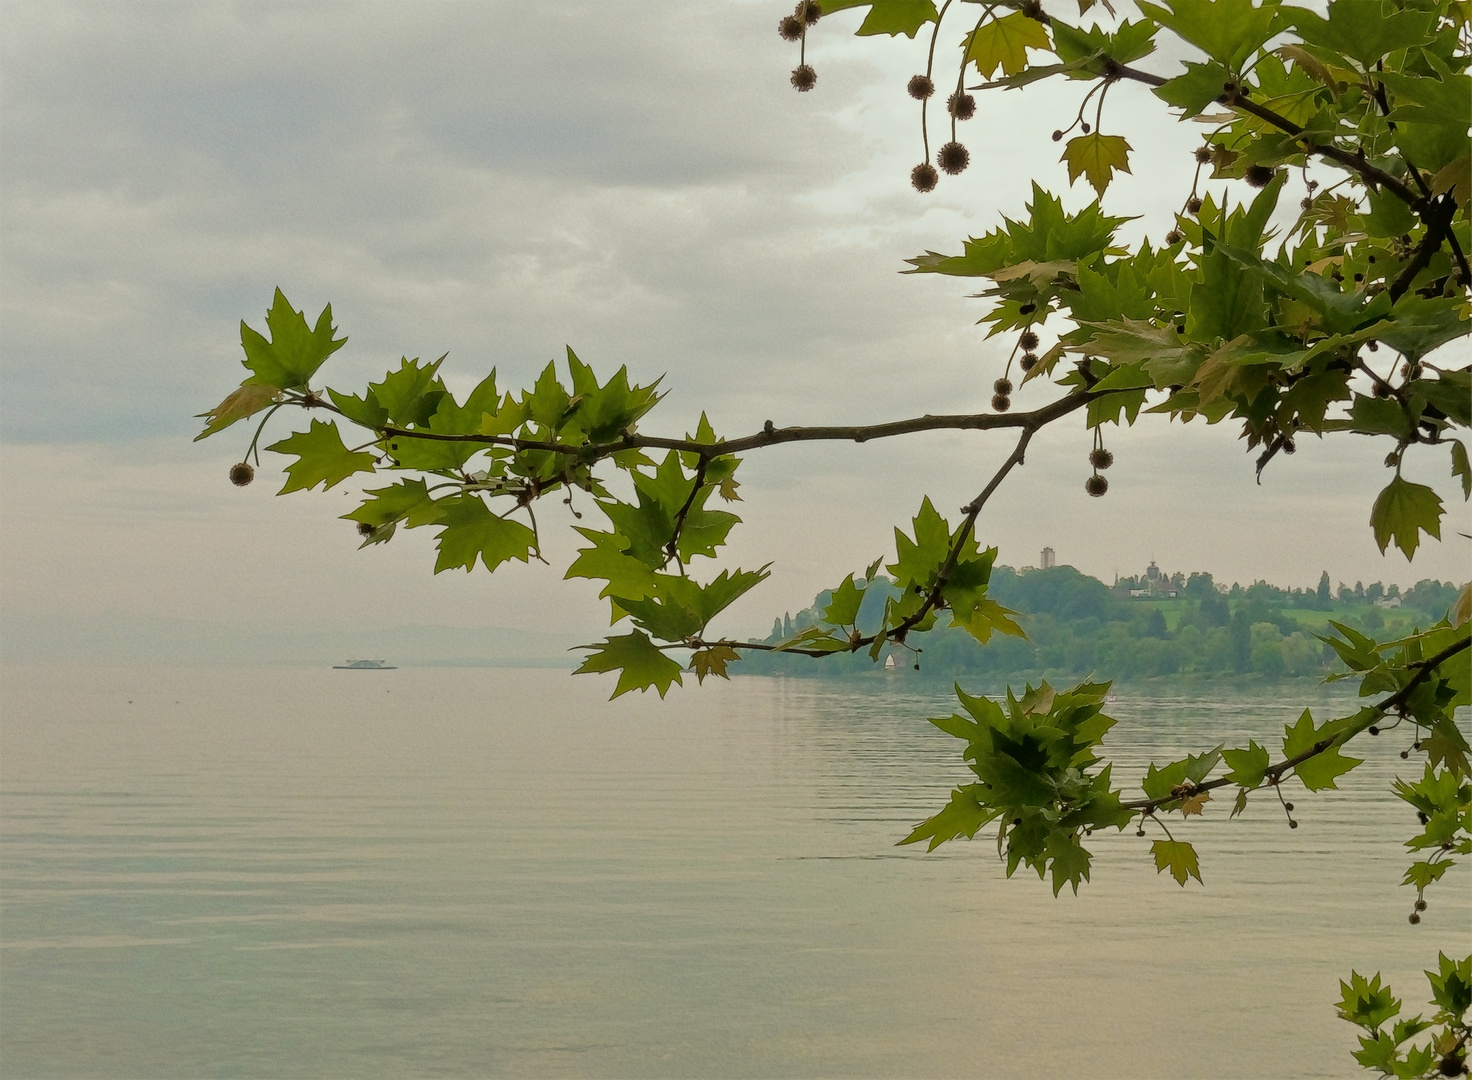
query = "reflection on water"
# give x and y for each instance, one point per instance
(290, 872)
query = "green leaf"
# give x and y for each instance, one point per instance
(1365, 1002)
(1461, 467)
(843, 608)
(412, 394)
(1248, 767)
(1049, 235)
(1003, 43)
(919, 560)
(250, 399)
(1402, 512)
(1196, 89)
(608, 560)
(408, 501)
(888, 16)
(1363, 30)
(1178, 857)
(640, 665)
(1318, 772)
(294, 353)
(1190, 770)
(1451, 985)
(1228, 31)
(472, 531)
(1423, 874)
(963, 815)
(322, 458)
(1128, 43)
(363, 410)
(1096, 157)
(1069, 861)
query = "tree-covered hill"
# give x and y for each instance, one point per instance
(1077, 625)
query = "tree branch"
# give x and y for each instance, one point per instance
(1235, 101)
(1276, 772)
(1039, 418)
(773, 436)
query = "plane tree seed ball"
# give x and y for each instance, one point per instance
(921, 87)
(953, 158)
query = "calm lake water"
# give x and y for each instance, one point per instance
(460, 872)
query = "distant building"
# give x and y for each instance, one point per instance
(1050, 559)
(1152, 584)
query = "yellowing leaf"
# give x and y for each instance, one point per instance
(1096, 157)
(713, 661)
(1178, 857)
(1456, 177)
(1192, 804)
(249, 399)
(1004, 43)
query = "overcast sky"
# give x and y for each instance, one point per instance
(498, 180)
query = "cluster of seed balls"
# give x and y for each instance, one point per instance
(792, 28)
(952, 157)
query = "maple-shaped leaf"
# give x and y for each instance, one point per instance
(472, 531)
(888, 16)
(1069, 861)
(1402, 512)
(713, 661)
(608, 560)
(962, 816)
(1194, 803)
(638, 662)
(843, 607)
(1178, 857)
(1362, 31)
(250, 399)
(1096, 157)
(295, 352)
(1319, 771)
(1228, 31)
(1248, 767)
(1169, 782)
(983, 617)
(1365, 1002)
(408, 501)
(322, 458)
(1003, 43)
(919, 560)
(1423, 874)
(1193, 91)
(1240, 804)
(1445, 745)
